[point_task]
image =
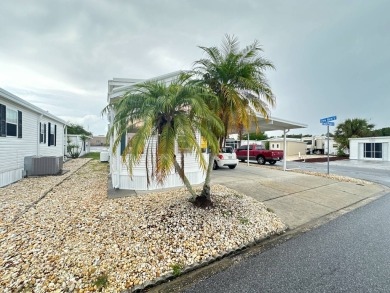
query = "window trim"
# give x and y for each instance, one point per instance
(372, 150)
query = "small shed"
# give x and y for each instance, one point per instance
(293, 146)
(370, 148)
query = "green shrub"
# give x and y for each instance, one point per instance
(101, 281)
(177, 269)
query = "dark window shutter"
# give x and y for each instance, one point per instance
(123, 142)
(49, 134)
(55, 135)
(20, 124)
(44, 133)
(3, 124)
(40, 132)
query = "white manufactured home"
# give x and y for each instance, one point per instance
(26, 130)
(78, 143)
(370, 148)
(119, 173)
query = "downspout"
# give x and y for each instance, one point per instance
(65, 144)
(285, 149)
(39, 134)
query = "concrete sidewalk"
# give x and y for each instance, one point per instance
(297, 198)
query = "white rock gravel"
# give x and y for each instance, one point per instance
(74, 234)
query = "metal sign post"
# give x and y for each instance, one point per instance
(327, 122)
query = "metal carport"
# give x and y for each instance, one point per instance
(273, 123)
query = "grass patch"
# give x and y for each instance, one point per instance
(243, 221)
(177, 269)
(92, 155)
(227, 214)
(101, 281)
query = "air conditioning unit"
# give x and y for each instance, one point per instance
(104, 156)
(38, 166)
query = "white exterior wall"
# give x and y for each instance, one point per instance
(118, 170)
(44, 148)
(121, 176)
(356, 148)
(293, 147)
(14, 149)
(75, 139)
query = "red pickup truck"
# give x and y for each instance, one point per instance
(259, 153)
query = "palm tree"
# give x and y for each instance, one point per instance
(164, 115)
(350, 128)
(237, 78)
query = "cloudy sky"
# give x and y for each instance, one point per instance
(331, 57)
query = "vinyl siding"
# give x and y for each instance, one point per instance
(14, 149)
(121, 178)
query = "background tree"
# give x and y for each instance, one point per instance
(168, 115)
(255, 136)
(351, 128)
(77, 129)
(381, 132)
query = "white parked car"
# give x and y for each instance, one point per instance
(226, 157)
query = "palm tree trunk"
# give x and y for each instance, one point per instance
(184, 179)
(206, 191)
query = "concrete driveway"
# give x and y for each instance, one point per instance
(297, 198)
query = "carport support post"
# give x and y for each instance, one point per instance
(284, 149)
(247, 150)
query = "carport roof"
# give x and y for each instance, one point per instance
(273, 123)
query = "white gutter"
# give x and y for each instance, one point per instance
(285, 149)
(39, 134)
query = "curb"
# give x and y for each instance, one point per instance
(198, 265)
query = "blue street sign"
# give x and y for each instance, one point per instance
(331, 118)
(328, 123)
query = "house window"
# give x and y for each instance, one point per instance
(373, 150)
(3, 122)
(42, 132)
(52, 134)
(10, 122)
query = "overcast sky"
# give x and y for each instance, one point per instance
(331, 57)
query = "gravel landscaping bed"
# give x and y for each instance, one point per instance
(75, 239)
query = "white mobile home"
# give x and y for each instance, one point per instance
(25, 130)
(370, 148)
(77, 143)
(319, 145)
(118, 169)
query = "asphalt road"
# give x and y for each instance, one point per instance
(349, 254)
(375, 171)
